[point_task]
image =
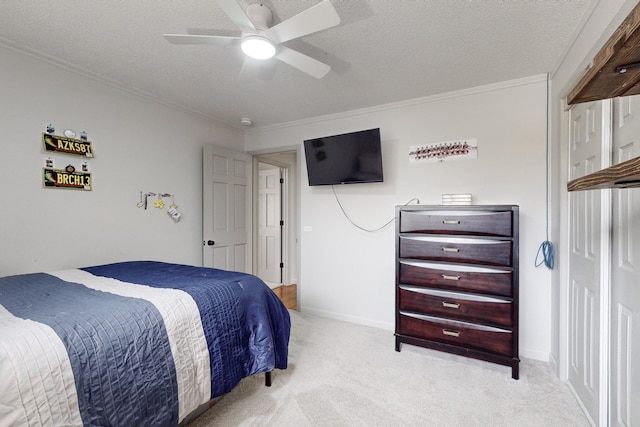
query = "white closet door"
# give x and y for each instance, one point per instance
(585, 258)
(624, 383)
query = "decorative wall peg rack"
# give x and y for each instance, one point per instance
(444, 151)
(159, 203)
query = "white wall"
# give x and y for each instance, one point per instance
(349, 274)
(345, 272)
(603, 19)
(138, 144)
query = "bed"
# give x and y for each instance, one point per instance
(139, 343)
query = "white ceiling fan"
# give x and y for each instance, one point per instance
(260, 41)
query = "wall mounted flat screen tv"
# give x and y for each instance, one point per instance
(349, 158)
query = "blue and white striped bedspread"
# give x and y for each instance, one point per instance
(131, 344)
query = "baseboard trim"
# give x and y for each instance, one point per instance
(584, 409)
(351, 319)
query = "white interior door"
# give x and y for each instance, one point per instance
(226, 213)
(270, 224)
(624, 382)
(287, 163)
(585, 258)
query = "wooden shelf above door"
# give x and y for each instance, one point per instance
(616, 68)
(615, 72)
(622, 175)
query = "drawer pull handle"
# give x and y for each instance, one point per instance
(447, 249)
(450, 304)
(450, 277)
(450, 222)
(451, 333)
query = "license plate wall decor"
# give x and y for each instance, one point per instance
(66, 178)
(62, 144)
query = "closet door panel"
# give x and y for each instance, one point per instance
(585, 157)
(624, 381)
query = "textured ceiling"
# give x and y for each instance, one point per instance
(383, 51)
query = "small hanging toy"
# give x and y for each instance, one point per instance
(173, 211)
(159, 203)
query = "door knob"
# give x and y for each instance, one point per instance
(210, 242)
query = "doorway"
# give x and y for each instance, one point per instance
(275, 219)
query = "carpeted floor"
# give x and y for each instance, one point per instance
(341, 374)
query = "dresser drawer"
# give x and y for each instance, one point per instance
(467, 335)
(453, 277)
(498, 223)
(456, 306)
(477, 251)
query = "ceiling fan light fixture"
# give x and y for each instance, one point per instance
(258, 47)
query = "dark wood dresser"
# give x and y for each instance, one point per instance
(457, 280)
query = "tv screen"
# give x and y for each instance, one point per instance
(349, 158)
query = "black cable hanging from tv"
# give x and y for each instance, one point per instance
(374, 230)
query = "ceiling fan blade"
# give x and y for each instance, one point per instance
(254, 70)
(303, 62)
(200, 39)
(317, 18)
(236, 12)
(249, 70)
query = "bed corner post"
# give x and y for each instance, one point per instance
(267, 379)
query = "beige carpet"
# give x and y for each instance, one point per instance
(341, 374)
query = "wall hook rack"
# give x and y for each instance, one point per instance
(159, 203)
